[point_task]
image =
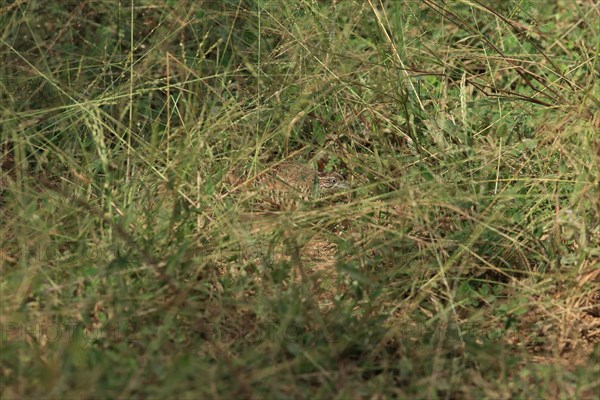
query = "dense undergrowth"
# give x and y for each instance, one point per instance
(462, 264)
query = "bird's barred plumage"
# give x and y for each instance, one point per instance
(290, 184)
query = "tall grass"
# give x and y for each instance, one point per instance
(462, 264)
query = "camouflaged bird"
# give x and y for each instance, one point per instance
(289, 184)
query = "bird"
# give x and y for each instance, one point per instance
(290, 184)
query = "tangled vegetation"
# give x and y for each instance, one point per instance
(463, 262)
